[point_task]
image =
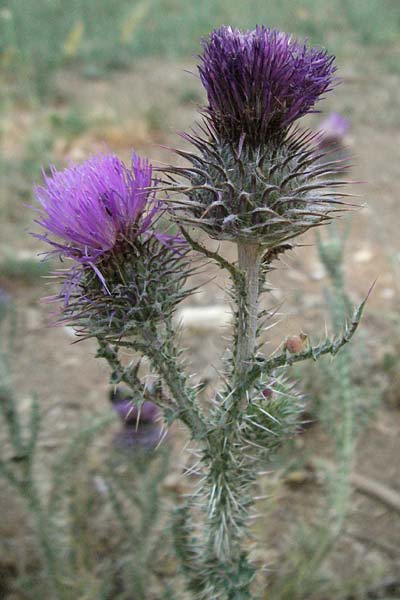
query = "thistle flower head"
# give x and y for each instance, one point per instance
(92, 206)
(259, 82)
(102, 216)
(253, 176)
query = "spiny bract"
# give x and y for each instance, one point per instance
(263, 195)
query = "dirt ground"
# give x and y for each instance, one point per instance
(72, 385)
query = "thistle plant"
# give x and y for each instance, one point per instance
(253, 177)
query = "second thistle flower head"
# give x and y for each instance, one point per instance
(93, 206)
(259, 82)
(102, 215)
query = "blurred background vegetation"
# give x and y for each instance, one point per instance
(38, 37)
(78, 74)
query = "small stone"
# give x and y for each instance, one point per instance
(69, 331)
(100, 485)
(317, 274)
(174, 483)
(388, 293)
(24, 254)
(311, 301)
(297, 276)
(203, 319)
(298, 477)
(363, 256)
(262, 556)
(32, 319)
(25, 404)
(71, 361)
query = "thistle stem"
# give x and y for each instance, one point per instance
(249, 258)
(189, 412)
(227, 485)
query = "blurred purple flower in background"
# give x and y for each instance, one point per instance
(259, 82)
(132, 415)
(333, 129)
(5, 301)
(142, 428)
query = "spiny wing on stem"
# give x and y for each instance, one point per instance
(328, 346)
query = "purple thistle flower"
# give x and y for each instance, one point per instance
(90, 207)
(259, 82)
(102, 215)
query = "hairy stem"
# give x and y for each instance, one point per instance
(327, 346)
(188, 411)
(249, 257)
(228, 499)
(227, 484)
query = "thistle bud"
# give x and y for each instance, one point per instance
(296, 343)
(266, 195)
(132, 414)
(271, 419)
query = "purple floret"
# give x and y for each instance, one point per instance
(89, 207)
(259, 82)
